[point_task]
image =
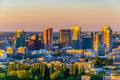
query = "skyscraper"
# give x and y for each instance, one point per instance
(34, 43)
(87, 42)
(19, 40)
(95, 41)
(101, 49)
(107, 38)
(65, 37)
(48, 38)
(76, 33)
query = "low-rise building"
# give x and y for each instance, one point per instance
(3, 55)
(85, 77)
(112, 77)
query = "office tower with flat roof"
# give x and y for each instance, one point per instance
(34, 43)
(95, 41)
(65, 37)
(48, 38)
(19, 38)
(107, 38)
(76, 34)
(87, 42)
(101, 49)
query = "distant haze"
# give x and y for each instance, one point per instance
(35, 15)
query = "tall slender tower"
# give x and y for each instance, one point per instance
(65, 37)
(19, 38)
(107, 38)
(76, 34)
(95, 41)
(48, 38)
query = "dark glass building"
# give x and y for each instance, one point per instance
(19, 40)
(87, 42)
(65, 37)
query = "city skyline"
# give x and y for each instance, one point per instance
(35, 15)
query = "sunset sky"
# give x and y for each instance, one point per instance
(34, 15)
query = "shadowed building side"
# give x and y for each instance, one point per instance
(19, 38)
(65, 37)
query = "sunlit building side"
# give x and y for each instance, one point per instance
(9, 50)
(95, 42)
(3, 55)
(48, 38)
(76, 32)
(107, 38)
(21, 50)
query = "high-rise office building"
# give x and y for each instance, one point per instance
(65, 37)
(87, 42)
(48, 38)
(107, 38)
(19, 40)
(34, 43)
(101, 49)
(76, 34)
(95, 41)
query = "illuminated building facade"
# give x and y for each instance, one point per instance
(48, 38)
(21, 50)
(65, 37)
(76, 33)
(3, 54)
(19, 38)
(9, 50)
(95, 42)
(107, 38)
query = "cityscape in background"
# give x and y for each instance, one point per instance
(69, 54)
